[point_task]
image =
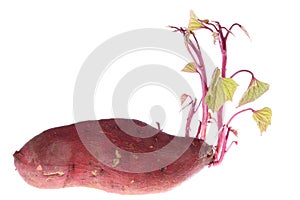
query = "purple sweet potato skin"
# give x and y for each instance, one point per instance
(79, 155)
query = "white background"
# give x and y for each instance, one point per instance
(42, 48)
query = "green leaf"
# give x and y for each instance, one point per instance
(220, 91)
(194, 22)
(263, 118)
(190, 67)
(255, 89)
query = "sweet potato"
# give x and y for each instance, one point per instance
(116, 155)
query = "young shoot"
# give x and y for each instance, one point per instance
(222, 87)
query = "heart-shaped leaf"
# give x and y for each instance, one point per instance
(194, 22)
(263, 118)
(255, 89)
(220, 91)
(190, 67)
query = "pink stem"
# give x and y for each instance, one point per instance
(242, 70)
(201, 65)
(224, 63)
(223, 47)
(237, 113)
(221, 147)
(202, 73)
(189, 119)
(223, 152)
(199, 129)
(229, 30)
(220, 111)
(220, 118)
(233, 142)
(190, 52)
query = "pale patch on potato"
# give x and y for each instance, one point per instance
(94, 173)
(118, 155)
(116, 160)
(39, 168)
(59, 173)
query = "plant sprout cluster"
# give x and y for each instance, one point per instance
(221, 88)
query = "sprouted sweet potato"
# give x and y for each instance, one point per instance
(80, 155)
(130, 157)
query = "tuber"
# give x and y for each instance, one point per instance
(99, 154)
